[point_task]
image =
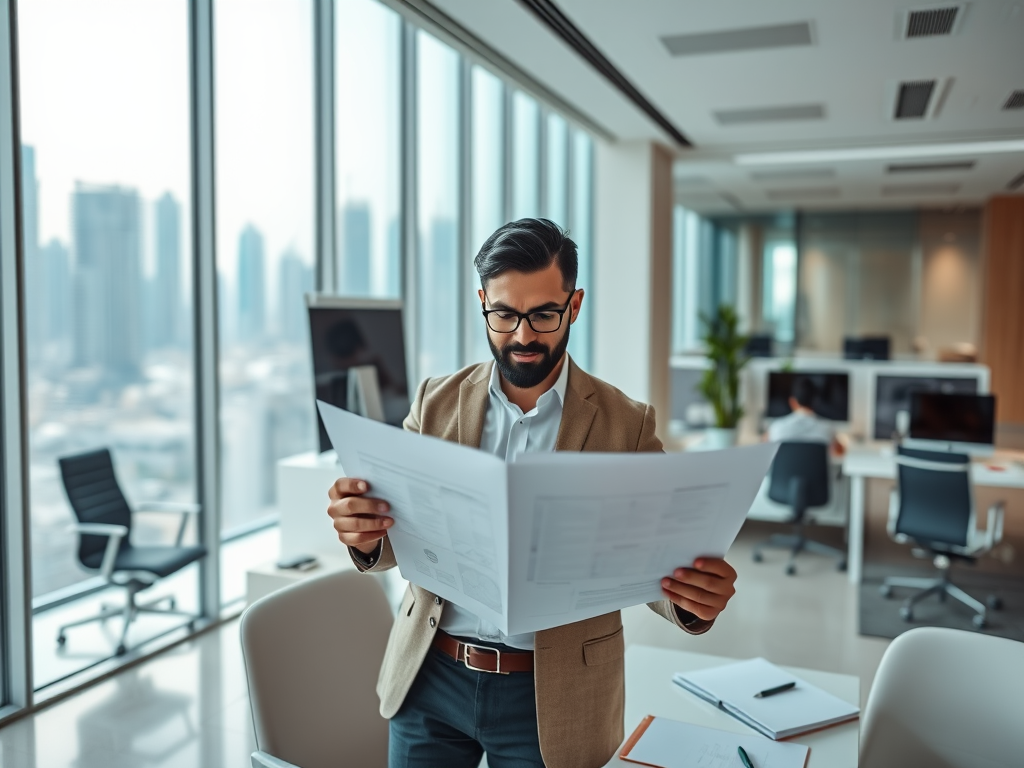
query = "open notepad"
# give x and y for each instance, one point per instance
(733, 687)
(665, 743)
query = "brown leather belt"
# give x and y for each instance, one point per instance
(483, 658)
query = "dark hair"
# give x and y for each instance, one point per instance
(528, 245)
(804, 391)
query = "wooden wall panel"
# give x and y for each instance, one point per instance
(1003, 329)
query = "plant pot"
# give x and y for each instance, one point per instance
(717, 439)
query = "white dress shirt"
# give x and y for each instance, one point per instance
(507, 433)
(801, 426)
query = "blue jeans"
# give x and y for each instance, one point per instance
(452, 715)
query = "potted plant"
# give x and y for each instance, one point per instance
(724, 346)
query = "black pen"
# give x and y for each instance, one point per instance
(747, 762)
(772, 691)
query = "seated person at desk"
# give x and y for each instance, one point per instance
(803, 423)
(560, 704)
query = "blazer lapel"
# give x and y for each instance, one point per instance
(577, 411)
(473, 406)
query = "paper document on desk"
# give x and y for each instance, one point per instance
(552, 538)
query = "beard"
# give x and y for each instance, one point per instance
(527, 375)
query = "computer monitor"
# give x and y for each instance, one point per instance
(759, 345)
(866, 348)
(952, 422)
(346, 333)
(831, 397)
(892, 395)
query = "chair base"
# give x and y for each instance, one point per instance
(941, 587)
(130, 610)
(797, 543)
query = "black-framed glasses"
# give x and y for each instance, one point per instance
(541, 321)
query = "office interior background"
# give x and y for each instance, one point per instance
(176, 175)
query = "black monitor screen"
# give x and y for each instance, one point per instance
(347, 337)
(892, 395)
(866, 348)
(831, 393)
(759, 345)
(953, 418)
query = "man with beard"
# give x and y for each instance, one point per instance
(453, 686)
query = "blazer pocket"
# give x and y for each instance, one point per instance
(602, 650)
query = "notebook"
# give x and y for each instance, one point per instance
(799, 710)
(665, 743)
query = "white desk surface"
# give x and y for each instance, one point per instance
(650, 691)
(1003, 470)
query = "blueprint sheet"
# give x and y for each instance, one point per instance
(552, 538)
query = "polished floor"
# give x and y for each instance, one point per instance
(189, 707)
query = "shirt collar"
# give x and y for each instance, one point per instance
(558, 387)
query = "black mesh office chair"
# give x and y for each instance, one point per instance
(799, 477)
(105, 547)
(933, 507)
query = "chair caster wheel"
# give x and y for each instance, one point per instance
(979, 622)
(791, 570)
(885, 591)
(995, 603)
(841, 566)
(758, 557)
(906, 614)
(121, 650)
(61, 640)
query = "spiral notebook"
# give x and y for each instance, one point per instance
(732, 687)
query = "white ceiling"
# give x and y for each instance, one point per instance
(851, 69)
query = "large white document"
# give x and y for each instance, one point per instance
(552, 538)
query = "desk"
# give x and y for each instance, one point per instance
(862, 462)
(650, 691)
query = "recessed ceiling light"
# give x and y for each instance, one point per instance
(878, 153)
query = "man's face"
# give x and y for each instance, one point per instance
(524, 357)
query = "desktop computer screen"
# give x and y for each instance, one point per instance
(892, 395)
(760, 345)
(866, 348)
(953, 418)
(346, 333)
(832, 393)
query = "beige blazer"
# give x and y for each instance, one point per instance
(578, 668)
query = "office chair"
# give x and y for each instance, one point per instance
(799, 477)
(945, 698)
(104, 545)
(933, 507)
(312, 652)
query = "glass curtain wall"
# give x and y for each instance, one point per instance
(487, 199)
(581, 229)
(437, 283)
(107, 269)
(525, 156)
(265, 253)
(556, 170)
(368, 151)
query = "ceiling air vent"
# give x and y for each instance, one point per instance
(1016, 101)
(912, 99)
(932, 21)
(959, 165)
(896, 190)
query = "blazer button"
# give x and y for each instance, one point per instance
(437, 601)
(433, 622)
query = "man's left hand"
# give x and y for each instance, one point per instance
(703, 590)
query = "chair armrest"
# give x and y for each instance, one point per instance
(115, 534)
(261, 759)
(994, 524)
(894, 514)
(184, 508)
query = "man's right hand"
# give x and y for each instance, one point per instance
(360, 521)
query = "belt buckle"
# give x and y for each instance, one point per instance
(495, 651)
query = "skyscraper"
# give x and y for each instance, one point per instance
(251, 285)
(167, 329)
(295, 279)
(35, 276)
(354, 270)
(108, 284)
(57, 265)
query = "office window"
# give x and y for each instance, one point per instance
(486, 196)
(525, 156)
(581, 229)
(265, 248)
(438, 257)
(108, 300)
(779, 284)
(367, 45)
(556, 170)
